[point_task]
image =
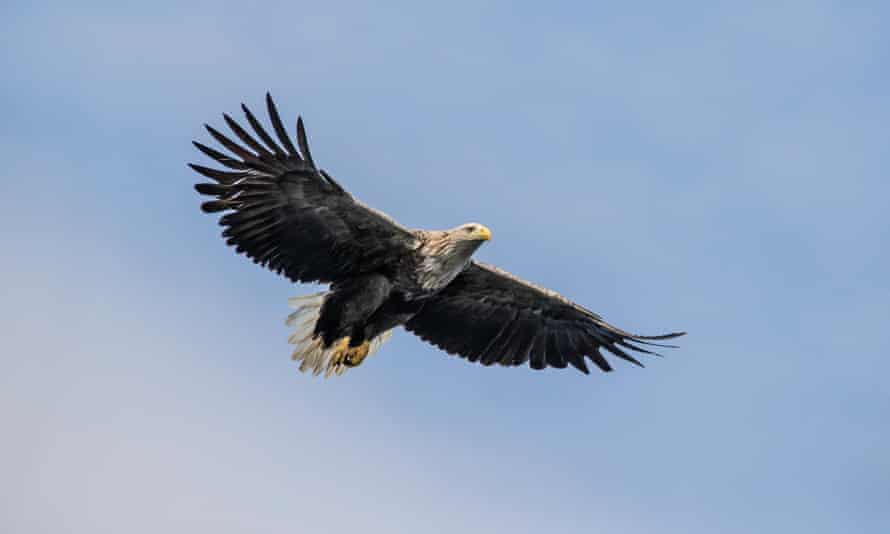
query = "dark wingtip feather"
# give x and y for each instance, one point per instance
(245, 137)
(220, 176)
(214, 206)
(644, 341)
(663, 336)
(230, 145)
(278, 126)
(303, 141)
(600, 361)
(631, 346)
(633, 360)
(623, 355)
(212, 189)
(260, 131)
(225, 160)
(577, 362)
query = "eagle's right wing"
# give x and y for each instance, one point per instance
(491, 316)
(286, 214)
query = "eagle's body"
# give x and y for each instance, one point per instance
(286, 214)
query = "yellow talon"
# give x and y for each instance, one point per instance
(339, 351)
(356, 355)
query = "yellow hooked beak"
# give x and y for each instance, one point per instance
(483, 233)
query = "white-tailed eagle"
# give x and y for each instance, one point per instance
(286, 214)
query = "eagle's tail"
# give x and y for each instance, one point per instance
(310, 350)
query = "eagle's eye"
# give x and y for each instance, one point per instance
(469, 229)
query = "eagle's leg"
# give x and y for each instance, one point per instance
(356, 355)
(345, 355)
(310, 349)
(342, 356)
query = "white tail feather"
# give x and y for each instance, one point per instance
(309, 349)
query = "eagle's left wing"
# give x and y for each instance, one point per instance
(290, 216)
(490, 316)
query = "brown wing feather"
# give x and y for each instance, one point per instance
(289, 216)
(491, 316)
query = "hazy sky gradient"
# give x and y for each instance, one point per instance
(690, 165)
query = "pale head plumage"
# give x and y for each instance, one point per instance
(470, 232)
(447, 252)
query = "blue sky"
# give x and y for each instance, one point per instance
(712, 168)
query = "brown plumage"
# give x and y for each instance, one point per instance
(286, 214)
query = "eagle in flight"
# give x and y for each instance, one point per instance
(288, 215)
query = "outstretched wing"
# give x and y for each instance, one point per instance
(289, 216)
(490, 316)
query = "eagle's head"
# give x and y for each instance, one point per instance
(470, 232)
(446, 253)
